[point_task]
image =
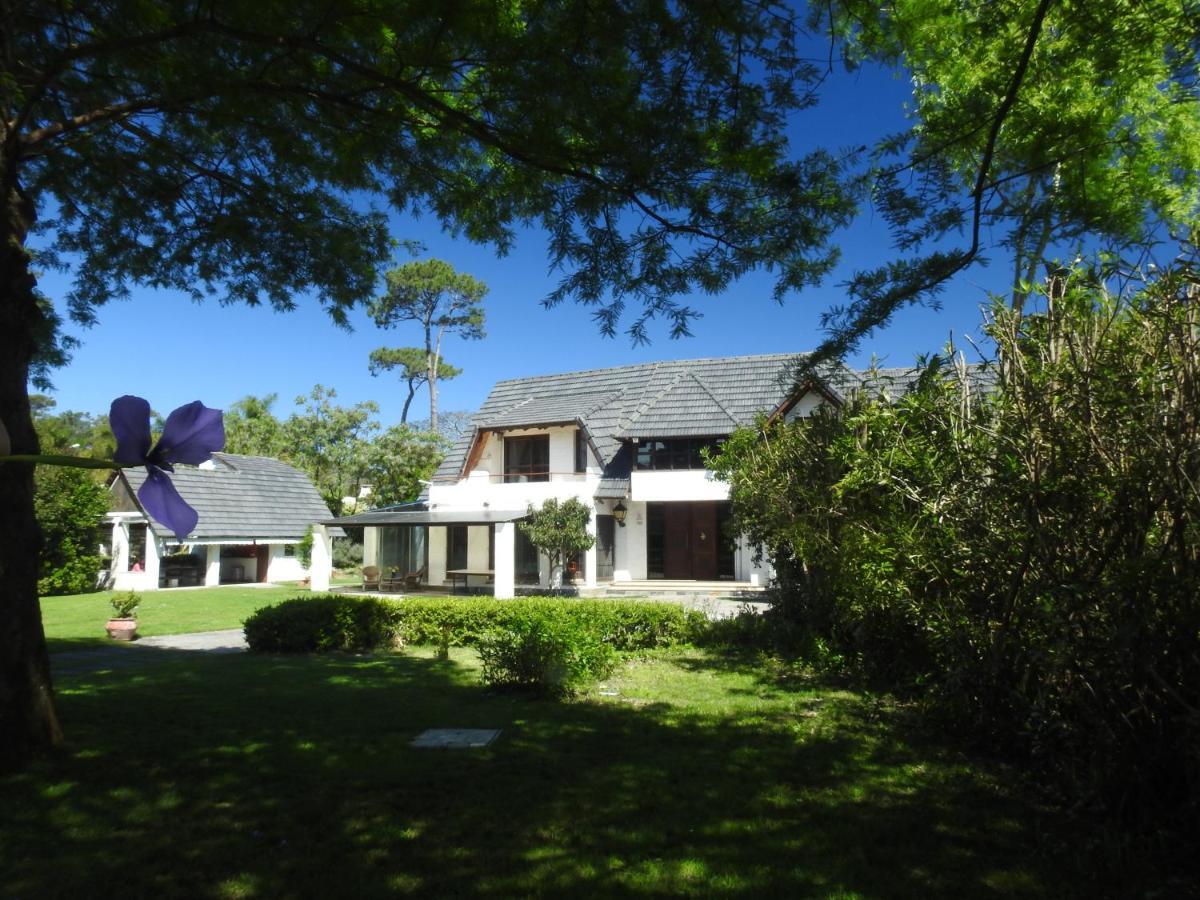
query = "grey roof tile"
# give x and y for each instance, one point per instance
(675, 398)
(243, 497)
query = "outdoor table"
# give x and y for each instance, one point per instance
(465, 575)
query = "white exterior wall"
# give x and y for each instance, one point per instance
(630, 550)
(212, 565)
(370, 547)
(437, 554)
(682, 485)
(805, 406)
(322, 559)
(485, 483)
(289, 568)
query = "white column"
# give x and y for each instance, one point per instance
(589, 564)
(322, 559)
(506, 555)
(212, 565)
(152, 556)
(370, 546)
(120, 546)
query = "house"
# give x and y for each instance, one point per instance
(626, 441)
(253, 512)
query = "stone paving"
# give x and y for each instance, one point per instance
(121, 655)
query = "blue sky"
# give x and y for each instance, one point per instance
(171, 351)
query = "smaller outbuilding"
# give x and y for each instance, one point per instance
(254, 512)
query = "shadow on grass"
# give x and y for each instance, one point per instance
(248, 776)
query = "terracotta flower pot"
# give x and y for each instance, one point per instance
(122, 629)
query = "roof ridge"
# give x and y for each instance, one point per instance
(713, 397)
(653, 364)
(646, 404)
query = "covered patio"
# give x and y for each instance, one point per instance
(414, 546)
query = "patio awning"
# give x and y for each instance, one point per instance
(430, 517)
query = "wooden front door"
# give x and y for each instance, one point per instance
(690, 541)
(704, 541)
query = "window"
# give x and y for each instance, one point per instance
(456, 546)
(581, 451)
(606, 539)
(402, 548)
(675, 453)
(527, 458)
(289, 551)
(656, 540)
(526, 559)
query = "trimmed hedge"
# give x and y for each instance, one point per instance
(340, 622)
(323, 623)
(622, 624)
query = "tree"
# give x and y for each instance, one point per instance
(439, 299)
(70, 506)
(558, 529)
(69, 503)
(225, 149)
(451, 425)
(252, 429)
(399, 460)
(1028, 126)
(331, 443)
(413, 363)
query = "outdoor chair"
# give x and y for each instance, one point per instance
(370, 578)
(413, 579)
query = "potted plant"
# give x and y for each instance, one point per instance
(123, 625)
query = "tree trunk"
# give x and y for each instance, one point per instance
(433, 358)
(28, 722)
(412, 392)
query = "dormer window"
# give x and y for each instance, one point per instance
(527, 459)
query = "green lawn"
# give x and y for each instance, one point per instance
(687, 773)
(77, 621)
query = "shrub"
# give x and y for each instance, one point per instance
(324, 623)
(623, 625)
(70, 506)
(125, 604)
(1029, 559)
(547, 650)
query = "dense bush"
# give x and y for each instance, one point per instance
(545, 649)
(624, 625)
(70, 507)
(1029, 556)
(323, 623)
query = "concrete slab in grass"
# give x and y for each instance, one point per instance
(455, 738)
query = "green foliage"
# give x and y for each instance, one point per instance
(70, 505)
(414, 370)
(304, 547)
(398, 460)
(431, 294)
(252, 429)
(1027, 127)
(330, 443)
(323, 623)
(625, 625)
(544, 652)
(125, 604)
(558, 529)
(1029, 558)
(347, 554)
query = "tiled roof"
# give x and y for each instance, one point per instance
(681, 398)
(243, 498)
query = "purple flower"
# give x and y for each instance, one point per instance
(190, 436)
